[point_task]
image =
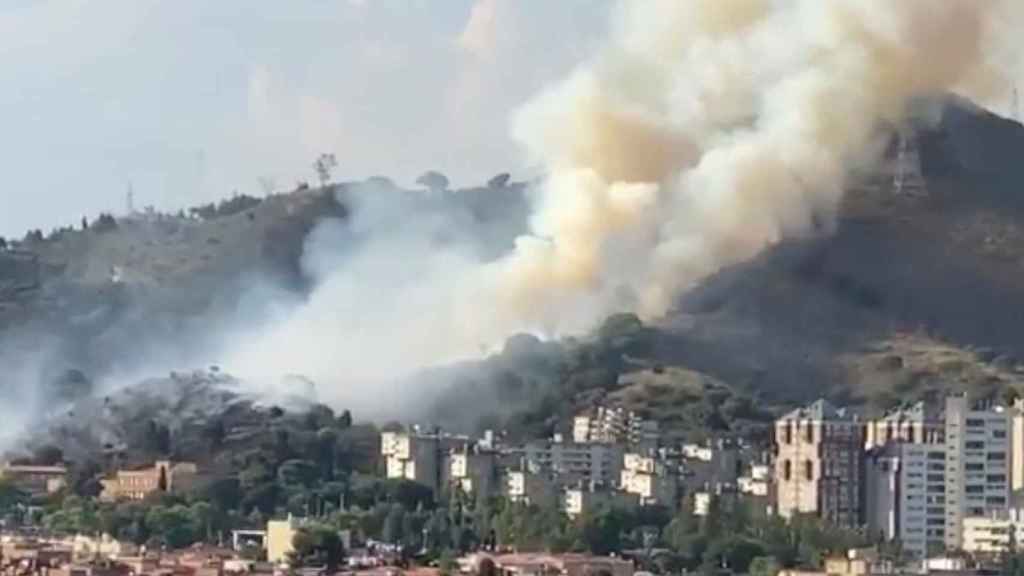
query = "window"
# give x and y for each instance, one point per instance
(974, 467)
(809, 432)
(974, 445)
(788, 434)
(991, 478)
(975, 489)
(999, 433)
(995, 500)
(936, 455)
(809, 470)
(997, 456)
(975, 422)
(787, 470)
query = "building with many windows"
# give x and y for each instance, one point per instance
(614, 426)
(649, 479)
(928, 472)
(818, 464)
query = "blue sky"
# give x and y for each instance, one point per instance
(190, 100)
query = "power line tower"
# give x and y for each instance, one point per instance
(901, 160)
(130, 200)
(1015, 104)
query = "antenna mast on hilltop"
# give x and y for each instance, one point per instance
(901, 157)
(130, 200)
(1015, 104)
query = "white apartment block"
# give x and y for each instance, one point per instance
(818, 467)
(927, 473)
(651, 481)
(614, 426)
(990, 535)
(977, 464)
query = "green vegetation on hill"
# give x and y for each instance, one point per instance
(541, 386)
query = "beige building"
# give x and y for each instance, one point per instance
(649, 480)
(614, 426)
(164, 476)
(280, 534)
(540, 564)
(1017, 445)
(818, 466)
(36, 481)
(990, 534)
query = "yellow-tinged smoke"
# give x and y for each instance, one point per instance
(708, 130)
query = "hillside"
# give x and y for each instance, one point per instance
(945, 262)
(915, 291)
(154, 290)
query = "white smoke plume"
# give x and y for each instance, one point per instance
(711, 129)
(704, 132)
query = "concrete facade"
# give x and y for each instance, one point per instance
(818, 468)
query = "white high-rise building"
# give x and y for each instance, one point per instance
(927, 472)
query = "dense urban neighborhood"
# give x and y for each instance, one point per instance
(926, 487)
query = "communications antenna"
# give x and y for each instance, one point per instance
(901, 158)
(130, 199)
(1015, 104)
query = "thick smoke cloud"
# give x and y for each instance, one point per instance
(702, 133)
(708, 130)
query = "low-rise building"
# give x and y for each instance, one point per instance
(36, 481)
(758, 482)
(540, 564)
(280, 535)
(580, 500)
(164, 476)
(649, 479)
(526, 487)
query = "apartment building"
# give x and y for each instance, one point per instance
(818, 467)
(36, 481)
(758, 482)
(977, 464)
(526, 487)
(614, 426)
(421, 457)
(571, 462)
(929, 471)
(474, 470)
(650, 480)
(163, 476)
(581, 499)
